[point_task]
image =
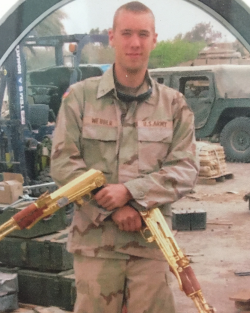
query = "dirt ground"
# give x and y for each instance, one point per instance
(223, 248)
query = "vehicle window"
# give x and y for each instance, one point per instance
(197, 87)
(160, 80)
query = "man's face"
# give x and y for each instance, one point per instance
(133, 39)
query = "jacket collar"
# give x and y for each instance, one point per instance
(107, 85)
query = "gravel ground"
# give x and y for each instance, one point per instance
(222, 249)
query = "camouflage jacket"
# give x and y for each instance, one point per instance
(149, 146)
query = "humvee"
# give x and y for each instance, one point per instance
(219, 96)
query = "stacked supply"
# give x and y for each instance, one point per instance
(39, 259)
(212, 160)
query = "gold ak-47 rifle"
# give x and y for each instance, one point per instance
(178, 262)
(83, 185)
(48, 204)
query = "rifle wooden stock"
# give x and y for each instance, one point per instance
(48, 204)
(178, 262)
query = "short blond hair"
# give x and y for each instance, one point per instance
(135, 7)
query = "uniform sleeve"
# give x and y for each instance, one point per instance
(67, 160)
(178, 173)
(66, 157)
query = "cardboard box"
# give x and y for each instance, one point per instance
(11, 188)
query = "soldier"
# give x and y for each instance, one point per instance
(140, 134)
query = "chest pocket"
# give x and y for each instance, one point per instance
(153, 147)
(99, 146)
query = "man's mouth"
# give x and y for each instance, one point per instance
(133, 54)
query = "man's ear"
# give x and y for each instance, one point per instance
(111, 37)
(155, 41)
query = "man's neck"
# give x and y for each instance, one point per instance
(129, 79)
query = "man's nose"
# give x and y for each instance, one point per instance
(135, 41)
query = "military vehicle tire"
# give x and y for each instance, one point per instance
(235, 138)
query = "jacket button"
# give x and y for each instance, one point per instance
(141, 194)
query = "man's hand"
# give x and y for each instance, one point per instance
(113, 196)
(127, 218)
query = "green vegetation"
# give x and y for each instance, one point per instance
(171, 53)
(183, 48)
(52, 25)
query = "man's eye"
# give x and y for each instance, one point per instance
(143, 34)
(126, 34)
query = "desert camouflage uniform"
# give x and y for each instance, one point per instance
(148, 146)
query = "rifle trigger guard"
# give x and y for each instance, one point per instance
(148, 239)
